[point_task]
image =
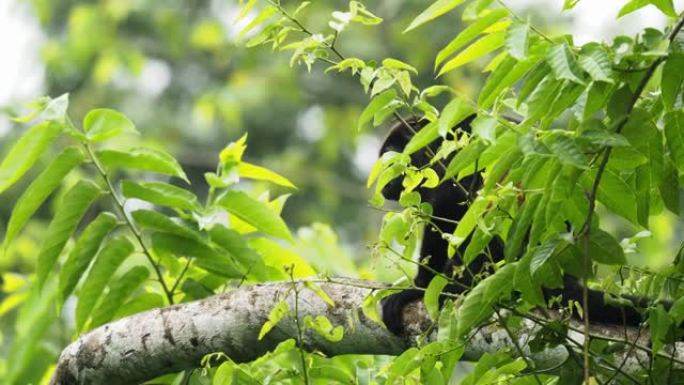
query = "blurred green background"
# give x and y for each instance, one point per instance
(179, 71)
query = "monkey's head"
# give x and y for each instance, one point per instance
(396, 141)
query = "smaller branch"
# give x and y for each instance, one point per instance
(300, 332)
(522, 354)
(134, 229)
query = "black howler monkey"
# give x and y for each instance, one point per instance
(450, 202)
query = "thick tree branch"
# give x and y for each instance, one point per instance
(144, 346)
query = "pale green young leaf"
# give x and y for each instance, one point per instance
(322, 325)
(252, 171)
(469, 33)
(145, 159)
(119, 291)
(674, 133)
(483, 46)
(265, 14)
(69, 212)
(595, 60)
(160, 193)
(41, 187)
(255, 213)
(516, 40)
(422, 138)
(320, 293)
(279, 257)
(245, 10)
(454, 112)
(432, 294)
(280, 310)
(102, 124)
(435, 10)
(83, 252)
(107, 261)
(562, 62)
(399, 65)
(375, 105)
(25, 151)
(569, 4)
(665, 6)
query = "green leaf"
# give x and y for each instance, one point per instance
(604, 248)
(674, 133)
(24, 153)
(399, 65)
(41, 187)
(467, 224)
(432, 294)
(594, 59)
(664, 6)
(160, 193)
(470, 33)
(102, 124)
(234, 243)
(206, 256)
(454, 112)
(542, 255)
(107, 261)
(672, 79)
(519, 231)
(152, 220)
(435, 10)
(543, 96)
(256, 213)
(276, 314)
(505, 75)
(69, 213)
(375, 105)
(563, 63)
(145, 159)
(569, 4)
(565, 148)
(616, 194)
(322, 325)
(481, 47)
(83, 252)
(516, 40)
(465, 158)
(478, 304)
(252, 171)
(119, 291)
(422, 138)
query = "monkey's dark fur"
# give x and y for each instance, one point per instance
(450, 201)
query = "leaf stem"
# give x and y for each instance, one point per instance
(586, 227)
(134, 229)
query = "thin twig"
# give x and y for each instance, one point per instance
(134, 229)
